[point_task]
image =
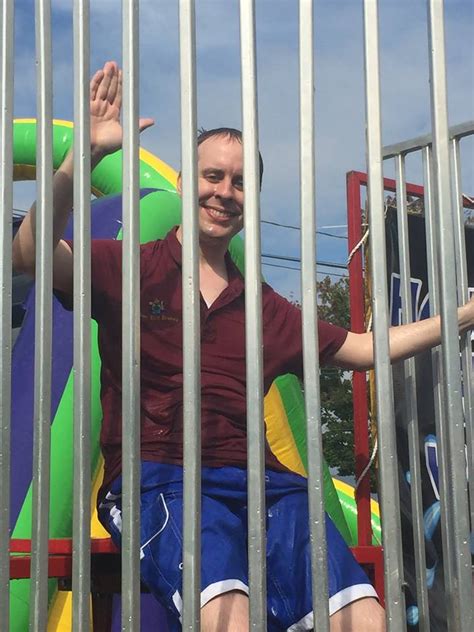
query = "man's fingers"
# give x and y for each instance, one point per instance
(113, 88)
(110, 68)
(118, 98)
(145, 123)
(95, 82)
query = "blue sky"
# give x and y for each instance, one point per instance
(340, 101)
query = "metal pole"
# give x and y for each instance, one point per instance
(390, 504)
(410, 401)
(81, 585)
(191, 325)
(463, 296)
(43, 321)
(6, 205)
(442, 434)
(253, 326)
(319, 577)
(460, 613)
(130, 324)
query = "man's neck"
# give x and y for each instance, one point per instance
(211, 250)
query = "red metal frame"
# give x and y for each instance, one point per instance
(59, 556)
(60, 559)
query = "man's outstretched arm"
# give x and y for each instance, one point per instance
(106, 137)
(405, 341)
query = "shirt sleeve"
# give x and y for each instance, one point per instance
(286, 327)
(106, 275)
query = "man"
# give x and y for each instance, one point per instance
(224, 585)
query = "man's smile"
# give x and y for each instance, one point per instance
(219, 213)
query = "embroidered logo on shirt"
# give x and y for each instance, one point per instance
(157, 311)
(157, 307)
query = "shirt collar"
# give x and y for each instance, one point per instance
(236, 281)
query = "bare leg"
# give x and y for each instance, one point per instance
(363, 615)
(228, 612)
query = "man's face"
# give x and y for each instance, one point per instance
(220, 187)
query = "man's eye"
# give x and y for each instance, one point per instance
(212, 177)
(239, 184)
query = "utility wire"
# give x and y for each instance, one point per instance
(276, 265)
(318, 232)
(324, 264)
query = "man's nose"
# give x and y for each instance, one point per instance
(223, 188)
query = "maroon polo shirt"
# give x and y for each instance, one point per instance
(223, 373)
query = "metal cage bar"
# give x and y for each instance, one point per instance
(410, 403)
(437, 369)
(43, 321)
(253, 325)
(317, 519)
(6, 205)
(394, 599)
(463, 296)
(460, 616)
(130, 324)
(81, 569)
(191, 325)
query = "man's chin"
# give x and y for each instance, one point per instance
(216, 234)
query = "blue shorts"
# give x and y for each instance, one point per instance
(224, 543)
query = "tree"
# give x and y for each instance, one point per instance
(336, 385)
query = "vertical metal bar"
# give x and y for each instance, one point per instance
(82, 327)
(253, 325)
(394, 598)
(461, 612)
(6, 205)
(43, 321)
(191, 325)
(410, 401)
(463, 296)
(317, 520)
(130, 324)
(440, 421)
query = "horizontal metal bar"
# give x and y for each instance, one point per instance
(417, 143)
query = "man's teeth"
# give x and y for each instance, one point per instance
(221, 213)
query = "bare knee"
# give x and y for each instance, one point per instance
(228, 612)
(363, 615)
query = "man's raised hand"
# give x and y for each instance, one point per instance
(106, 105)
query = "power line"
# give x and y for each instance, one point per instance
(276, 265)
(318, 232)
(324, 264)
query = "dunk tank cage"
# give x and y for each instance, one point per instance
(445, 299)
(417, 298)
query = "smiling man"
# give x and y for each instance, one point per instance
(224, 577)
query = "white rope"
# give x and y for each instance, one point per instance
(468, 198)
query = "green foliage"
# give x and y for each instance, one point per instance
(336, 385)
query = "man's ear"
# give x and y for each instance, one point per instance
(178, 184)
